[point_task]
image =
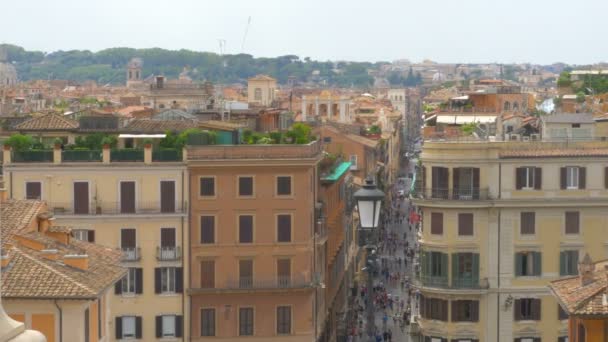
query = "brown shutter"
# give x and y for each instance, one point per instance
(475, 310)
(517, 310)
(538, 178)
(582, 177)
(91, 236)
(572, 222)
(81, 197)
(246, 269)
(284, 228)
(456, 183)
(127, 238)
(528, 222)
(519, 178)
(245, 229)
(207, 229)
(465, 224)
(167, 196)
(208, 274)
(562, 178)
(455, 306)
(33, 190)
(437, 223)
(444, 310)
(127, 197)
(476, 178)
(536, 309)
(284, 268)
(167, 237)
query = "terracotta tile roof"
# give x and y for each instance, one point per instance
(555, 153)
(32, 274)
(363, 140)
(579, 299)
(47, 122)
(158, 126)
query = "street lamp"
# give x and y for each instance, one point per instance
(369, 202)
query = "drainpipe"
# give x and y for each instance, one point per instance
(189, 250)
(498, 251)
(60, 320)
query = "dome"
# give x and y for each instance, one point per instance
(8, 74)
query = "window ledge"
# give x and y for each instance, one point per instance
(128, 295)
(169, 294)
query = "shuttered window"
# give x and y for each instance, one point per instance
(245, 273)
(528, 177)
(284, 228)
(245, 186)
(465, 311)
(528, 264)
(434, 308)
(465, 224)
(245, 321)
(439, 180)
(245, 229)
(572, 222)
(207, 274)
(33, 190)
(284, 185)
(437, 223)
(127, 197)
(527, 223)
(207, 186)
(207, 322)
(568, 263)
(573, 177)
(284, 320)
(167, 196)
(527, 309)
(207, 229)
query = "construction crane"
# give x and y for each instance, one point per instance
(245, 34)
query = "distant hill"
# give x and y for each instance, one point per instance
(108, 66)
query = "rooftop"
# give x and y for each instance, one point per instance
(255, 152)
(337, 172)
(584, 118)
(47, 122)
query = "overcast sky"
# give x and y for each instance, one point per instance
(538, 31)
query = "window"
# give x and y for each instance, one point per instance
(208, 274)
(257, 94)
(168, 326)
(245, 321)
(465, 224)
(284, 228)
(284, 272)
(437, 223)
(527, 309)
(572, 177)
(465, 311)
(81, 198)
(527, 223)
(245, 186)
(167, 196)
(284, 320)
(559, 339)
(33, 190)
(207, 322)
(245, 273)
(207, 186)
(465, 183)
(207, 229)
(128, 244)
(568, 263)
(84, 235)
(572, 222)
(561, 313)
(528, 264)
(528, 339)
(167, 279)
(465, 270)
(127, 197)
(129, 281)
(284, 186)
(353, 162)
(128, 327)
(439, 182)
(528, 178)
(434, 308)
(245, 228)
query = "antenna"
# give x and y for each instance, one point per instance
(245, 35)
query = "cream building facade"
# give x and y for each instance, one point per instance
(139, 207)
(500, 220)
(261, 90)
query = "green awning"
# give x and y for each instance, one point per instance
(337, 172)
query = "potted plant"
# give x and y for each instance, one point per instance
(147, 143)
(57, 142)
(106, 142)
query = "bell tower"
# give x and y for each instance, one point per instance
(134, 72)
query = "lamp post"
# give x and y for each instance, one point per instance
(369, 201)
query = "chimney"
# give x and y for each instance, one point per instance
(80, 261)
(50, 254)
(44, 221)
(585, 270)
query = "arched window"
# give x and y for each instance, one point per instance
(257, 94)
(507, 106)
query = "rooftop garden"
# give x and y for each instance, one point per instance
(299, 134)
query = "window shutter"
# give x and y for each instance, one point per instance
(456, 182)
(91, 236)
(562, 178)
(475, 268)
(454, 269)
(138, 327)
(519, 178)
(582, 177)
(475, 189)
(562, 263)
(437, 223)
(518, 262)
(423, 262)
(574, 263)
(444, 268)
(475, 311)
(157, 280)
(422, 306)
(538, 178)
(118, 287)
(444, 309)
(537, 263)
(606, 177)
(118, 324)
(536, 309)
(179, 280)
(517, 310)
(179, 322)
(139, 280)
(455, 317)
(159, 326)
(424, 177)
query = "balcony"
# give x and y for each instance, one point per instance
(131, 253)
(33, 156)
(277, 151)
(261, 284)
(81, 155)
(462, 283)
(168, 253)
(471, 194)
(115, 208)
(127, 155)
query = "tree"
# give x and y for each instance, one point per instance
(580, 97)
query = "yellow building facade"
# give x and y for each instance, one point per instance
(137, 207)
(500, 221)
